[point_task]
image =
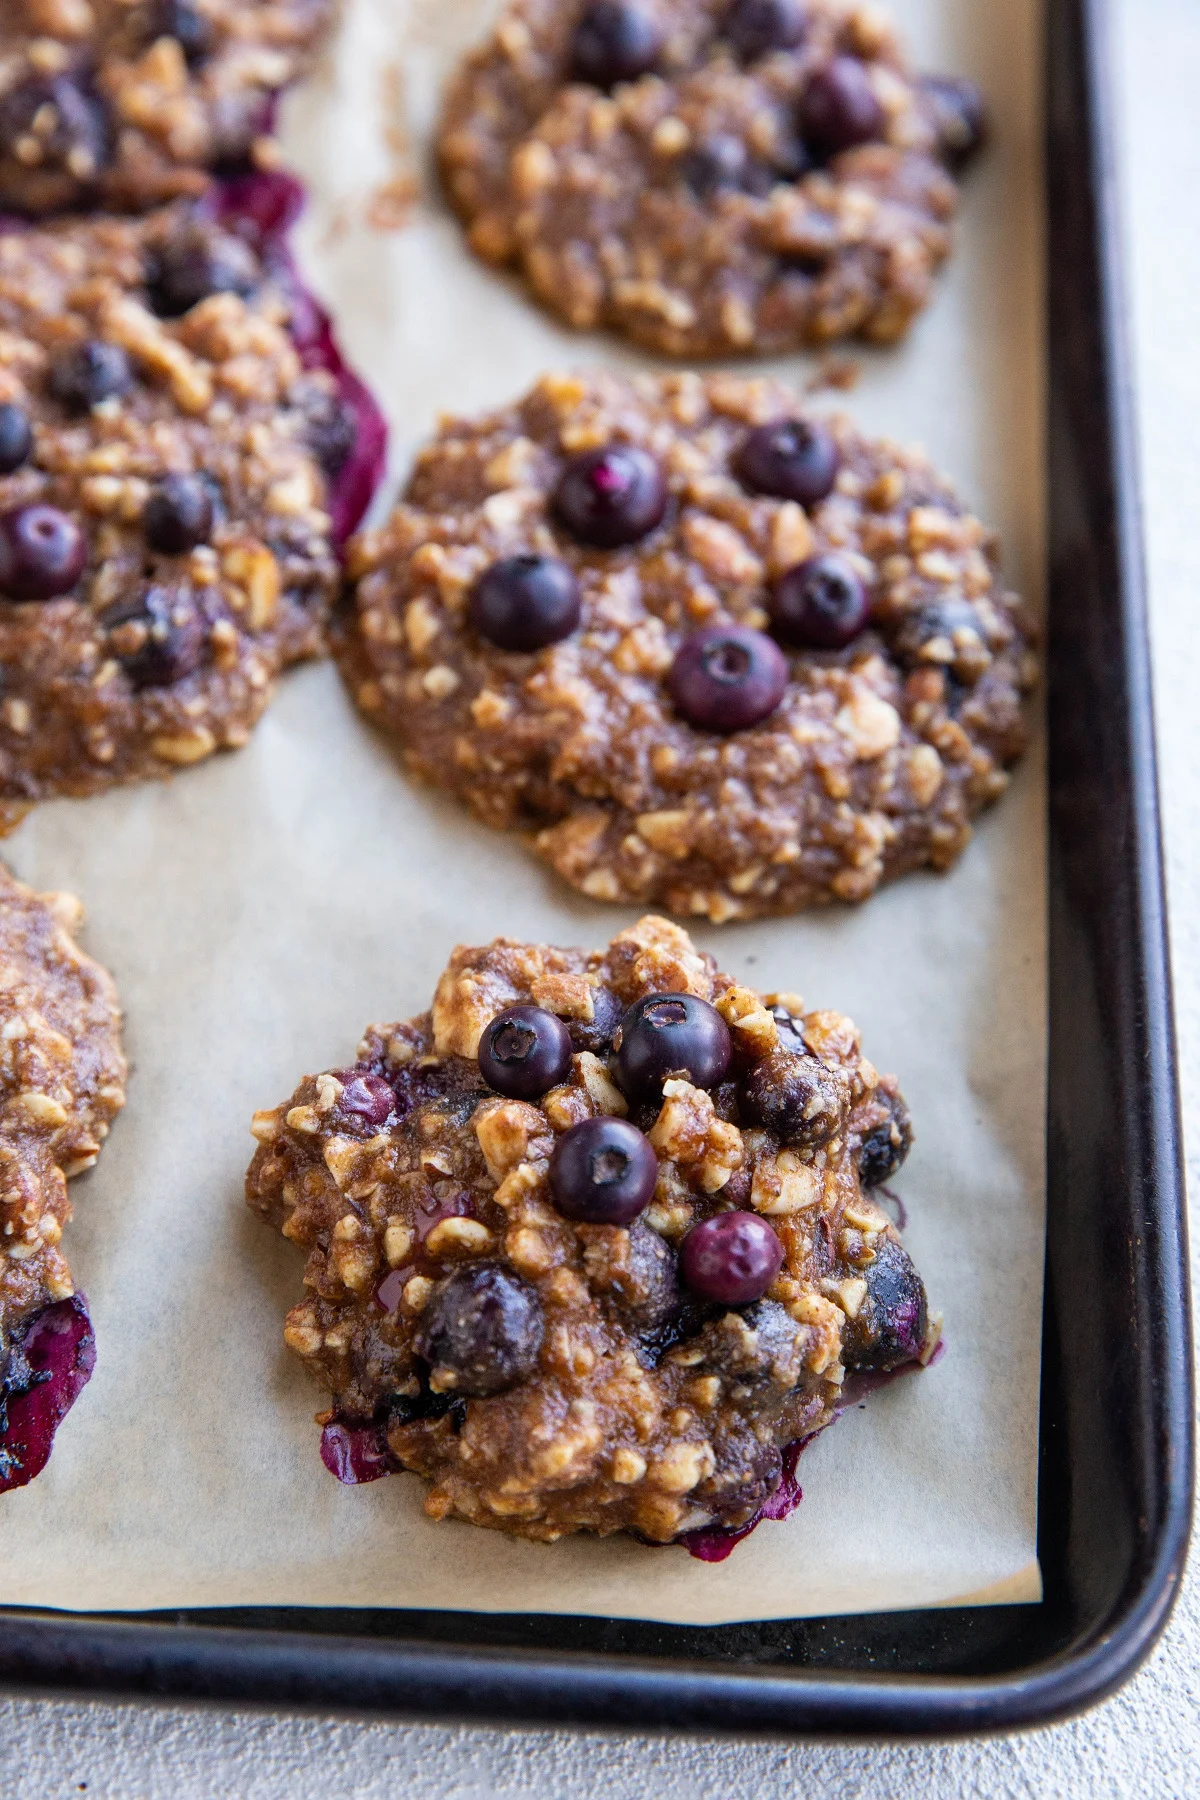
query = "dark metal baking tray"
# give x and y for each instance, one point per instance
(1116, 1420)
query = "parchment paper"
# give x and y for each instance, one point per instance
(260, 910)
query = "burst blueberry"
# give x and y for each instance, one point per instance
(603, 1172)
(16, 438)
(727, 677)
(480, 1332)
(89, 373)
(821, 604)
(732, 1258)
(890, 1325)
(196, 262)
(796, 1096)
(790, 459)
(157, 636)
(179, 514)
(671, 1034)
(365, 1098)
(958, 114)
(524, 1052)
(525, 602)
(756, 27)
(180, 20)
(614, 42)
(42, 553)
(610, 497)
(839, 109)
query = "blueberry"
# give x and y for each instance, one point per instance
(886, 1145)
(727, 677)
(603, 1172)
(179, 514)
(732, 1258)
(88, 373)
(613, 42)
(78, 137)
(822, 604)
(158, 636)
(951, 626)
(796, 1096)
(480, 1331)
(365, 1098)
(839, 108)
(889, 1328)
(791, 459)
(597, 1033)
(958, 114)
(756, 27)
(42, 553)
(525, 602)
(186, 24)
(196, 262)
(524, 1052)
(723, 164)
(331, 427)
(646, 1294)
(16, 438)
(671, 1034)
(611, 497)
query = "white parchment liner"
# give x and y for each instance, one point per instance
(260, 910)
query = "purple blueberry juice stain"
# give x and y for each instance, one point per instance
(50, 1362)
(713, 1543)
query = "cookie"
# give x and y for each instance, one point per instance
(62, 1082)
(128, 103)
(591, 1244)
(709, 176)
(709, 651)
(165, 537)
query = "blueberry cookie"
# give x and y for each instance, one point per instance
(165, 460)
(709, 176)
(591, 1243)
(707, 649)
(62, 1077)
(132, 102)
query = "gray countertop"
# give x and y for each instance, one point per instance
(1142, 1741)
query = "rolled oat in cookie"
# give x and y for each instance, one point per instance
(127, 103)
(591, 1243)
(710, 176)
(165, 543)
(708, 650)
(62, 1082)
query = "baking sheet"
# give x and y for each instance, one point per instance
(260, 910)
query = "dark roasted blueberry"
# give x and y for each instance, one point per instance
(958, 115)
(365, 1098)
(889, 1327)
(331, 427)
(822, 604)
(671, 1034)
(886, 1145)
(525, 602)
(728, 677)
(611, 497)
(42, 553)
(524, 1052)
(796, 1096)
(158, 636)
(480, 1331)
(179, 514)
(597, 1032)
(78, 134)
(743, 1483)
(756, 27)
(603, 1172)
(791, 459)
(839, 108)
(722, 163)
(636, 1272)
(198, 261)
(16, 438)
(613, 41)
(186, 24)
(946, 633)
(88, 373)
(732, 1258)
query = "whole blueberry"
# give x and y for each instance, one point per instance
(480, 1331)
(525, 602)
(365, 1098)
(613, 41)
(186, 24)
(732, 1258)
(42, 553)
(79, 136)
(885, 1146)
(197, 261)
(727, 677)
(722, 163)
(179, 514)
(611, 497)
(603, 1172)
(671, 1034)
(524, 1052)
(157, 636)
(839, 108)
(791, 459)
(889, 1328)
(822, 604)
(796, 1096)
(88, 373)
(16, 438)
(756, 27)
(959, 117)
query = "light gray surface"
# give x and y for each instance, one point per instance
(1145, 1741)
